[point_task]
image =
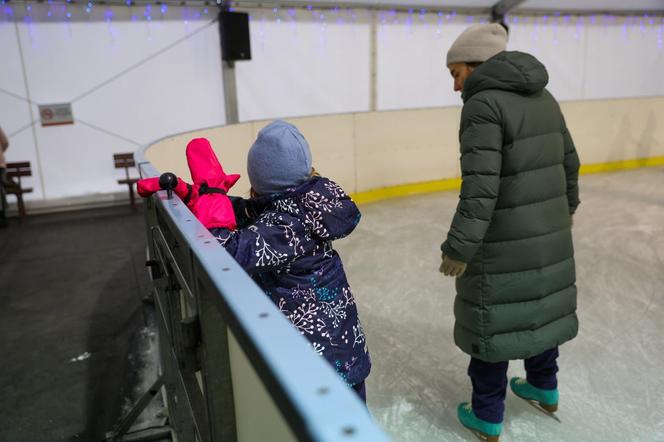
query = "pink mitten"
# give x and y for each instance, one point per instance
(147, 186)
(206, 198)
(211, 205)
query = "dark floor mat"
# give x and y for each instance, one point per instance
(70, 308)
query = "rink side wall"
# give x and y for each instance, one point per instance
(378, 155)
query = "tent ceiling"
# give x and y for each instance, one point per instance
(596, 5)
(477, 6)
(530, 5)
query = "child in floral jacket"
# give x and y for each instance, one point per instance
(286, 247)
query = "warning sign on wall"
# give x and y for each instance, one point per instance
(56, 114)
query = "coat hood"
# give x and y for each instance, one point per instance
(508, 71)
(322, 205)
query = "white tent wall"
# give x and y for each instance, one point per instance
(15, 115)
(587, 57)
(129, 80)
(305, 63)
(596, 56)
(625, 58)
(135, 74)
(411, 59)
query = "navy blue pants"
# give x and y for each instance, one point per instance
(489, 381)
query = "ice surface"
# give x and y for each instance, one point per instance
(611, 376)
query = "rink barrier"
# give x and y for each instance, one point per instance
(232, 366)
(392, 153)
(404, 190)
(616, 166)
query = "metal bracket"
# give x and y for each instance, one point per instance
(122, 431)
(191, 332)
(155, 270)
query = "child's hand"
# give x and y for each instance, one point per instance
(247, 210)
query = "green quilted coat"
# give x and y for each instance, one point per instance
(512, 224)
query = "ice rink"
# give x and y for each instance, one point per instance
(611, 377)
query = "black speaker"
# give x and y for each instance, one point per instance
(234, 33)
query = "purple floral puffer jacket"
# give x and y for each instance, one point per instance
(287, 249)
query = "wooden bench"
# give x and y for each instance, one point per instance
(18, 170)
(125, 161)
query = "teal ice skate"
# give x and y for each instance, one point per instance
(484, 430)
(544, 400)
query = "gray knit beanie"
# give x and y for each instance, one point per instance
(478, 43)
(279, 159)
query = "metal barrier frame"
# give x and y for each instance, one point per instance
(202, 296)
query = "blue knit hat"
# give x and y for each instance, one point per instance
(279, 159)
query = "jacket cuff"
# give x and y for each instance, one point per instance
(447, 249)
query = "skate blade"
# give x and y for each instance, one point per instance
(484, 437)
(539, 407)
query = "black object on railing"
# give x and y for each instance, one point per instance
(168, 181)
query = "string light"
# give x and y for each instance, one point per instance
(650, 26)
(580, 22)
(554, 28)
(625, 28)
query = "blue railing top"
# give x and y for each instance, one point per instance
(325, 408)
